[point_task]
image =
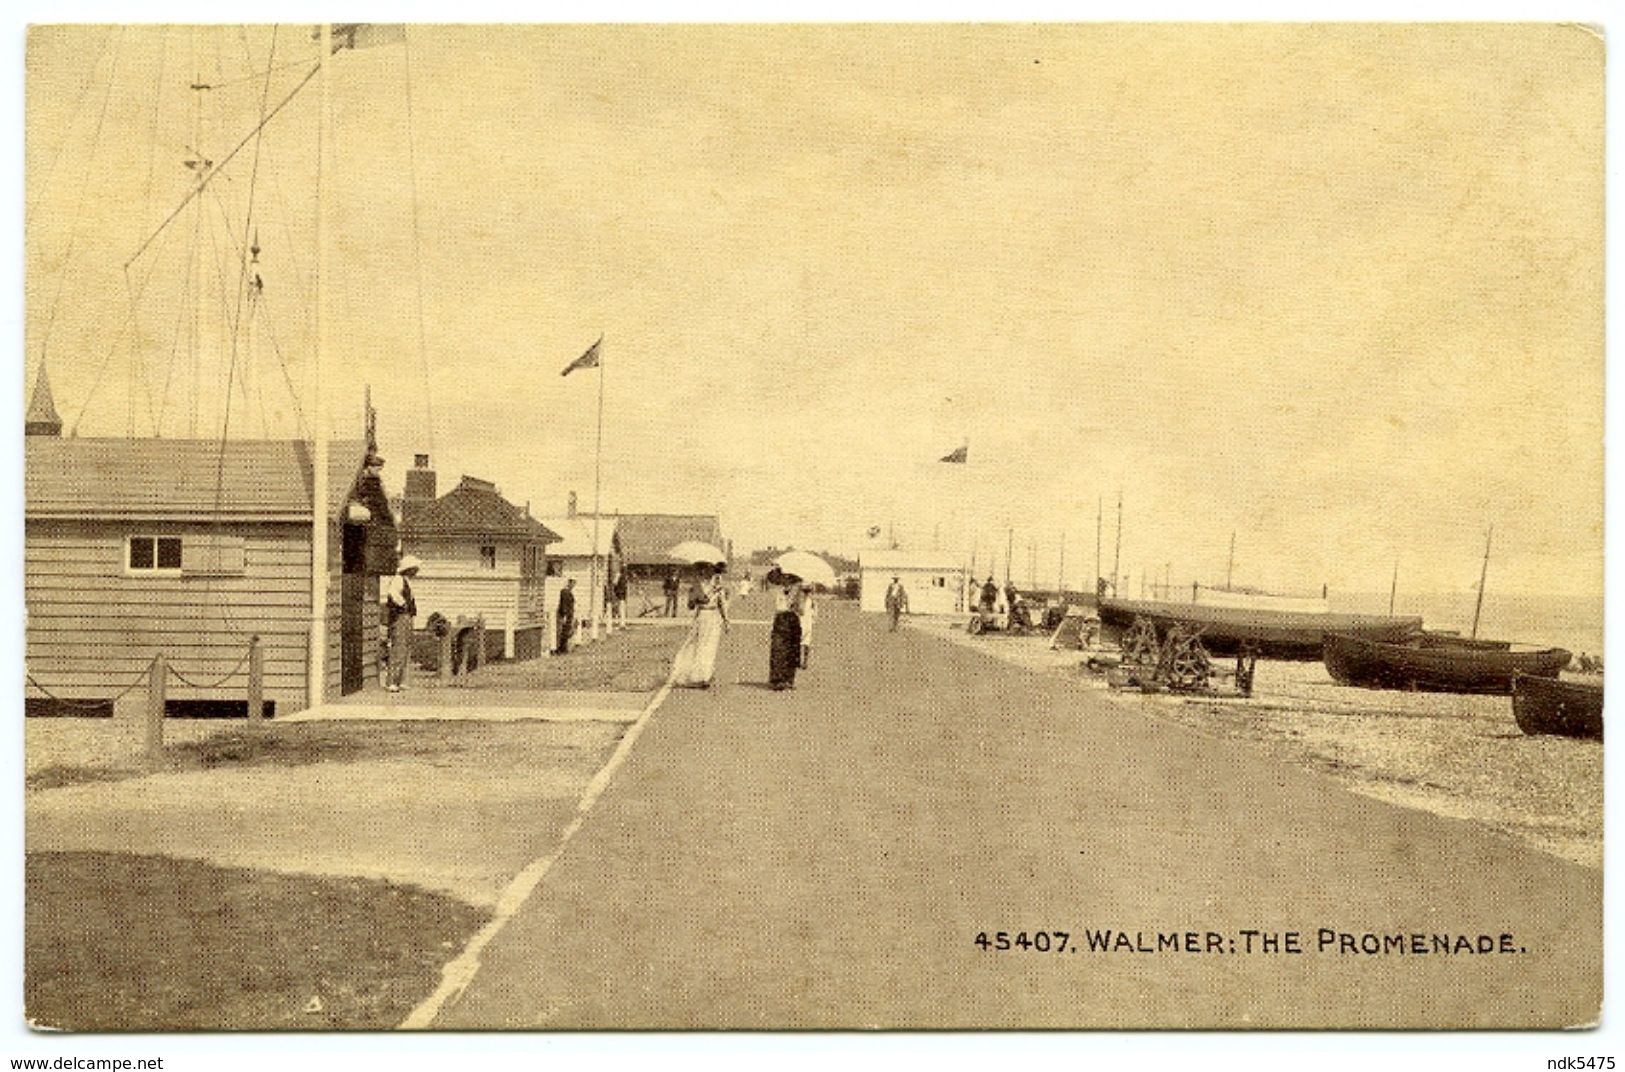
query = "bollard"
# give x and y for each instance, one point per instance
(445, 653)
(157, 685)
(256, 683)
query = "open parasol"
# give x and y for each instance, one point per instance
(697, 551)
(807, 566)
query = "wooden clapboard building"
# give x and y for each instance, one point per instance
(576, 558)
(482, 557)
(134, 547)
(645, 539)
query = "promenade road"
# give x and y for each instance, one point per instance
(827, 857)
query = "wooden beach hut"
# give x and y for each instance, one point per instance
(934, 580)
(645, 539)
(572, 559)
(136, 547)
(482, 556)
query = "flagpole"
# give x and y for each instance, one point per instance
(597, 486)
(316, 668)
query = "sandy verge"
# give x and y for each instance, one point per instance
(1452, 755)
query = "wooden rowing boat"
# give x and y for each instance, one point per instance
(1279, 634)
(1566, 708)
(1353, 660)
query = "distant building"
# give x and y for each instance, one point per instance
(934, 580)
(573, 559)
(135, 547)
(644, 541)
(482, 556)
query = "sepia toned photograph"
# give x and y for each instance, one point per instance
(917, 526)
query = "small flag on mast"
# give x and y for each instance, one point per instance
(354, 35)
(958, 456)
(586, 360)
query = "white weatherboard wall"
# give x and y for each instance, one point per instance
(934, 581)
(454, 582)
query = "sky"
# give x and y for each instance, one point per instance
(1336, 290)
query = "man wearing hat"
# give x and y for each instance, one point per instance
(399, 611)
(896, 601)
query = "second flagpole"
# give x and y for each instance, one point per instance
(595, 594)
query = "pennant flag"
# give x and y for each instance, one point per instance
(959, 456)
(586, 360)
(354, 35)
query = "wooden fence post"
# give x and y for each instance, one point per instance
(157, 686)
(477, 657)
(445, 652)
(256, 683)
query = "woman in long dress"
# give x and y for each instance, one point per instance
(784, 649)
(807, 611)
(696, 661)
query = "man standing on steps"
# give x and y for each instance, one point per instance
(567, 617)
(896, 602)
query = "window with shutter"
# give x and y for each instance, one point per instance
(213, 556)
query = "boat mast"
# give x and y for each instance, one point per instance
(317, 663)
(1060, 570)
(1099, 517)
(1009, 550)
(200, 169)
(1117, 554)
(1393, 587)
(1230, 569)
(1482, 574)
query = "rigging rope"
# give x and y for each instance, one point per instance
(79, 204)
(101, 370)
(218, 168)
(180, 321)
(417, 247)
(67, 131)
(137, 367)
(236, 320)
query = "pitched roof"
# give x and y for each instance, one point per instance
(645, 538)
(42, 415)
(899, 558)
(242, 479)
(575, 536)
(473, 508)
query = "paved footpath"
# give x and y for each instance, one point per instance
(827, 857)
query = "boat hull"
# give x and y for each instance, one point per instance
(1353, 660)
(1274, 634)
(1566, 708)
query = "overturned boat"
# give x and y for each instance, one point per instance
(1434, 666)
(1543, 705)
(1273, 633)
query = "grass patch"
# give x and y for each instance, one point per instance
(116, 942)
(635, 659)
(303, 743)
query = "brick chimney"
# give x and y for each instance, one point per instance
(420, 484)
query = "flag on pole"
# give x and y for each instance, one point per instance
(353, 35)
(958, 456)
(586, 360)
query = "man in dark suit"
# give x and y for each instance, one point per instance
(671, 588)
(567, 617)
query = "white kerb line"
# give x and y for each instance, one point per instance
(459, 972)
